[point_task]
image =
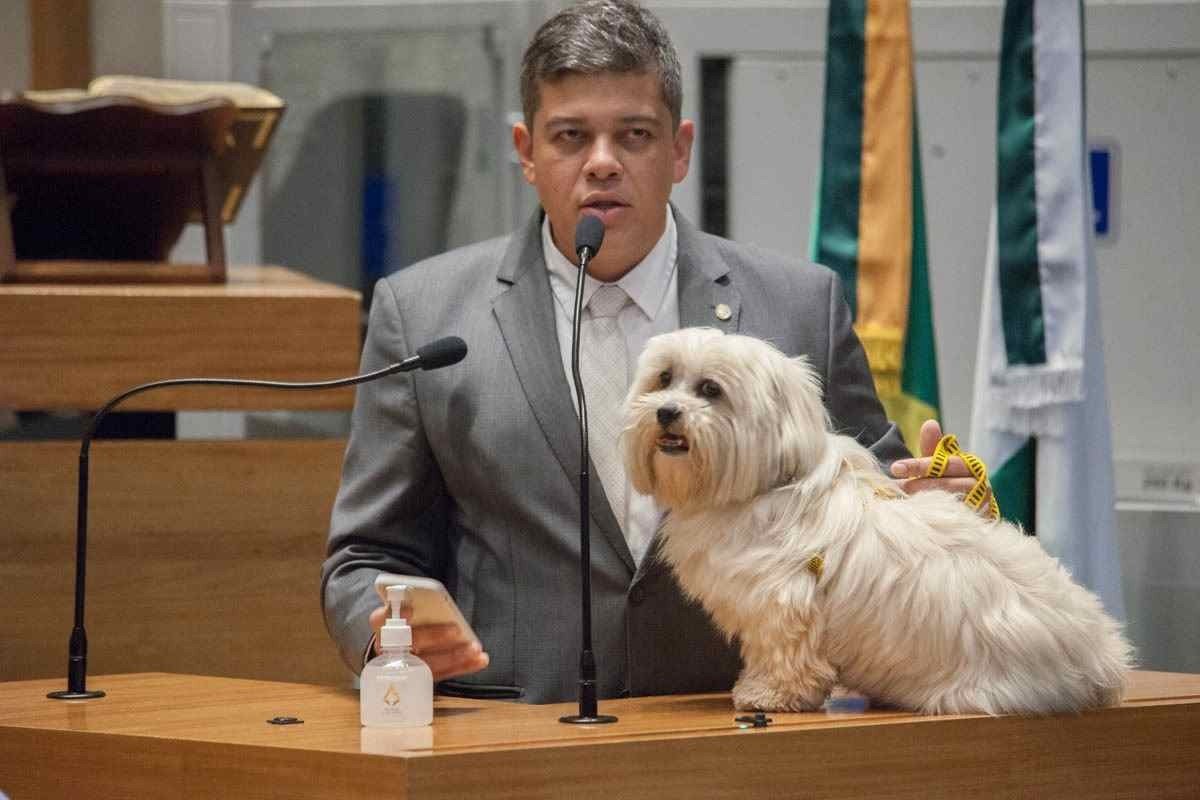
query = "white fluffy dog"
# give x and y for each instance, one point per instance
(796, 543)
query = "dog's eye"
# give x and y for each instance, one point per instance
(710, 389)
(664, 378)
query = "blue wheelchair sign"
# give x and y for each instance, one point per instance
(1102, 161)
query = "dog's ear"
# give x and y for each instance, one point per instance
(802, 379)
(805, 421)
(637, 451)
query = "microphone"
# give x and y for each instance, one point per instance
(437, 354)
(589, 235)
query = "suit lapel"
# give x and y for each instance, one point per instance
(525, 314)
(707, 296)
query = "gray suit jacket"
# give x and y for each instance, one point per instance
(470, 473)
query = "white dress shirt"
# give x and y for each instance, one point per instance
(654, 288)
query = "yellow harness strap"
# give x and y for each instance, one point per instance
(816, 565)
(947, 446)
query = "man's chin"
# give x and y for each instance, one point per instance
(610, 266)
(620, 251)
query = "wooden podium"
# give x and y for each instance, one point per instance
(204, 555)
(178, 736)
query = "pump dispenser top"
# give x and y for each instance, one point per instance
(396, 633)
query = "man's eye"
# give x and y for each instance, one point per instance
(709, 389)
(569, 135)
(638, 135)
(664, 378)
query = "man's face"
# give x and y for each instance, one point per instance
(604, 145)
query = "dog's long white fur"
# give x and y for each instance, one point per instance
(921, 603)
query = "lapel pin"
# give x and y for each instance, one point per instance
(723, 312)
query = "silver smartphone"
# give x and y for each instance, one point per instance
(430, 602)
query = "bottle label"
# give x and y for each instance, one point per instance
(397, 697)
(394, 700)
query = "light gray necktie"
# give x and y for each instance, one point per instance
(605, 373)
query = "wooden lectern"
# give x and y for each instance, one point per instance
(97, 185)
(106, 179)
(184, 737)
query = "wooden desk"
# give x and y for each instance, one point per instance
(159, 735)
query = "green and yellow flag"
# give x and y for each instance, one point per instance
(869, 223)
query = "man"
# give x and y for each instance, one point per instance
(469, 474)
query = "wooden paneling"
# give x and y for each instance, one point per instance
(60, 33)
(208, 737)
(204, 557)
(76, 346)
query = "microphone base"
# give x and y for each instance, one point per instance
(67, 694)
(580, 719)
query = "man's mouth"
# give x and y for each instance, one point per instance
(672, 444)
(603, 207)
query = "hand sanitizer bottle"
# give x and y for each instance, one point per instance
(396, 687)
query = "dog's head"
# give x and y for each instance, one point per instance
(713, 419)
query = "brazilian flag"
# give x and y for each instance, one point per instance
(869, 223)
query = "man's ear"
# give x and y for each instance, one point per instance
(684, 136)
(523, 144)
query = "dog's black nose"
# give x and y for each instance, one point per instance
(667, 415)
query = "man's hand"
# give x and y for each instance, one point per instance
(440, 646)
(957, 480)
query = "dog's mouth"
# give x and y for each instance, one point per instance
(672, 444)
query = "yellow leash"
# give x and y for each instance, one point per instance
(947, 446)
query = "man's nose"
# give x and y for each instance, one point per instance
(603, 163)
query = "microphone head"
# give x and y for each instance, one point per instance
(589, 233)
(442, 353)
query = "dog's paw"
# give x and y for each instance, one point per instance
(753, 695)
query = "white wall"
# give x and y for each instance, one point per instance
(14, 46)
(127, 38)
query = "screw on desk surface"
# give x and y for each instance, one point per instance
(759, 720)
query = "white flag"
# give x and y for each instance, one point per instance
(1040, 417)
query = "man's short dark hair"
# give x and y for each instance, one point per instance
(599, 36)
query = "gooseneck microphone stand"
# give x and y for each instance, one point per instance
(589, 234)
(440, 353)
